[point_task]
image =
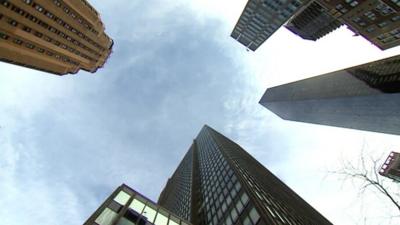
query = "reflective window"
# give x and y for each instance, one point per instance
(137, 205)
(149, 213)
(106, 217)
(173, 221)
(161, 219)
(234, 214)
(124, 221)
(239, 206)
(228, 220)
(254, 216)
(246, 221)
(244, 198)
(122, 197)
(237, 186)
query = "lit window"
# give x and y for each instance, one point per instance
(161, 219)
(150, 213)
(106, 217)
(122, 197)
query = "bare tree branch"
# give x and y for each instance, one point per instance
(365, 170)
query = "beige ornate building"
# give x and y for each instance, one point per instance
(55, 36)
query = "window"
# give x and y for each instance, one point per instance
(224, 207)
(106, 217)
(137, 205)
(234, 214)
(246, 221)
(149, 213)
(254, 216)
(228, 220)
(173, 221)
(122, 197)
(237, 186)
(228, 200)
(244, 198)
(161, 219)
(3, 36)
(239, 206)
(17, 41)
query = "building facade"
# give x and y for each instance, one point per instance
(59, 36)
(126, 206)
(391, 167)
(219, 183)
(261, 18)
(365, 97)
(313, 22)
(376, 20)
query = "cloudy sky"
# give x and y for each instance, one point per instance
(67, 142)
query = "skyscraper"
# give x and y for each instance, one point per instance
(219, 183)
(260, 19)
(58, 36)
(126, 206)
(377, 21)
(313, 22)
(391, 167)
(365, 97)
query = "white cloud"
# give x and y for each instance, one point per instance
(52, 126)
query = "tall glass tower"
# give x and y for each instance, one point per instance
(364, 97)
(219, 183)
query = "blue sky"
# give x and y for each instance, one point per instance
(67, 142)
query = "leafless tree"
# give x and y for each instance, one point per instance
(364, 174)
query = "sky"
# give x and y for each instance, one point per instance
(67, 142)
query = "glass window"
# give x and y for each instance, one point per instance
(228, 220)
(149, 213)
(233, 193)
(247, 221)
(137, 205)
(215, 220)
(161, 219)
(228, 200)
(244, 198)
(132, 216)
(124, 221)
(225, 191)
(234, 214)
(122, 197)
(219, 213)
(173, 220)
(106, 217)
(239, 206)
(224, 207)
(254, 216)
(237, 186)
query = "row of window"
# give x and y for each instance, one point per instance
(254, 23)
(50, 28)
(224, 200)
(48, 39)
(89, 6)
(58, 20)
(182, 194)
(74, 16)
(274, 207)
(29, 66)
(139, 212)
(38, 49)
